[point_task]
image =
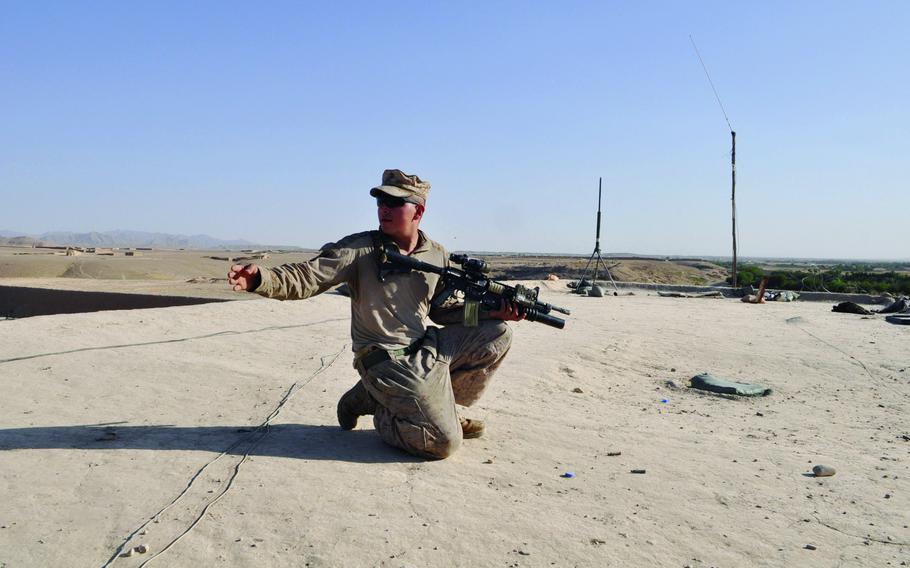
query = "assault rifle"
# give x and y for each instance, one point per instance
(480, 291)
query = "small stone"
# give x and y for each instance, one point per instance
(614, 454)
(488, 461)
(672, 369)
(127, 554)
(144, 532)
(638, 471)
(523, 552)
(142, 548)
(810, 547)
(577, 390)
(823, 471)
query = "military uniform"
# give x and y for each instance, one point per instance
(416, 372)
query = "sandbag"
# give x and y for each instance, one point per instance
(896, 306)
(708, 382)
(851, 308)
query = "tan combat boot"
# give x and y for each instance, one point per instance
(471, 428)
(353, 404)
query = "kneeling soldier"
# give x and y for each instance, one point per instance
(412, 375)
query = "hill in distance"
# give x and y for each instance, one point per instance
(132, 239)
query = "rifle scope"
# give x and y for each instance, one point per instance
(470, 263)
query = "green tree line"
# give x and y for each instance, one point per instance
(848, 279)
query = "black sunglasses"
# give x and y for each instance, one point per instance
(389, 201)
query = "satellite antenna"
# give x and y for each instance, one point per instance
(596, 259)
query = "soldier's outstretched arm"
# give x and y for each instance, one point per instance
(300, 280)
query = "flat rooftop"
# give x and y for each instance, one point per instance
(147, 426)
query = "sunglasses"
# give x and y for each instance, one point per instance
(390, 202)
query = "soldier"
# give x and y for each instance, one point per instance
(412, 375)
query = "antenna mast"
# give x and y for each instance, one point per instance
(599, 193)
(733, 199)
(732, 153)
(582, 286)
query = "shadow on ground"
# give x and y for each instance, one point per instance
(302, 441)
(22, 302)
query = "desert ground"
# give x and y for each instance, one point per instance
(173, 266)
(109, 279)
(208, 434)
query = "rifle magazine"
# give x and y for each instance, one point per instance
(471, 313)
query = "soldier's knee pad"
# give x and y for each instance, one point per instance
(446, 447)
(504, 339)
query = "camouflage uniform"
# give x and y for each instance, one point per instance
(432, 369)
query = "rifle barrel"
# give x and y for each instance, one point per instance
(533, 314)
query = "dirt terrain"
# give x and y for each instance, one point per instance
(130, 428)
(190, 271)
(653, 271)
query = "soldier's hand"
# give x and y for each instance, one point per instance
(508, 311)
(244, 278)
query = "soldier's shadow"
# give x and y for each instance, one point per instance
(303, 441)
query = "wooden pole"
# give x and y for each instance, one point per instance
(761, 290)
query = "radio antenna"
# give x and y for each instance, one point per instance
(596, 259)
(732, 152)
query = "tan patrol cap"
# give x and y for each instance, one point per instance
(399, 184)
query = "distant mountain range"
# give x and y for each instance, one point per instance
(132, 239)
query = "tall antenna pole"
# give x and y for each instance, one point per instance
(597, 238)
(733, 199)
(599, 192)
(583, 285)
(732, 154)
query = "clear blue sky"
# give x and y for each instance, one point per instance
(270, 121)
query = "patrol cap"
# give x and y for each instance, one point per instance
(399, 184)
